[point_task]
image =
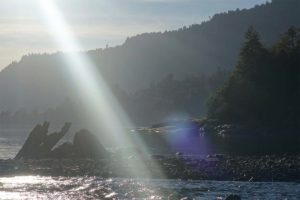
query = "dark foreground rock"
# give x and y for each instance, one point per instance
(246, 168)
(85, 145)
(41, 145)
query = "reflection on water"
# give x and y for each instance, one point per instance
(37, 187)
(11, 140)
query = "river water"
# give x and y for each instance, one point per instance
(44, 187)
(37, 187)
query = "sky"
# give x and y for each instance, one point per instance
(97, 23)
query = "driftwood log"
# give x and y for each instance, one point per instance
(40, 144)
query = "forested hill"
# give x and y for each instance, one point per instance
(42, 80)
(264, 88)
(196, 49)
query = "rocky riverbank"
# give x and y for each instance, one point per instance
(85, 156)
(232, 168)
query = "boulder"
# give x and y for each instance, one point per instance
(40, 145)
(87, 145)
(65, 150)
(52, 139)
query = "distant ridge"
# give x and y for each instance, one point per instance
(42, 80)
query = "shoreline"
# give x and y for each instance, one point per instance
(219, 168)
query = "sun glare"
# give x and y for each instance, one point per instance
(104, 112)
(89, 83)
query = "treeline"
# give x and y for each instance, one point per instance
(68, 110)
(171, 97)
(157, 103)
(264, 89)
(43, 81)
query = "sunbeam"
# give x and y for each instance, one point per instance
(98, 100)
(104, 112)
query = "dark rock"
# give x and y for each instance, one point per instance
(39, 143)
(52, 139)
(66, 150)
(233, 197)
(35, 138)
(87, 145)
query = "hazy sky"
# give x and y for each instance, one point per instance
(96, 23)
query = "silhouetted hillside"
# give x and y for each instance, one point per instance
(161, 101)
(199, 48)
(42, 81)
(264, 89)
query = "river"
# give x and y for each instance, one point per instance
(41, 187)
(47, 187)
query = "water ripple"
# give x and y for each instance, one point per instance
(42, 187)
